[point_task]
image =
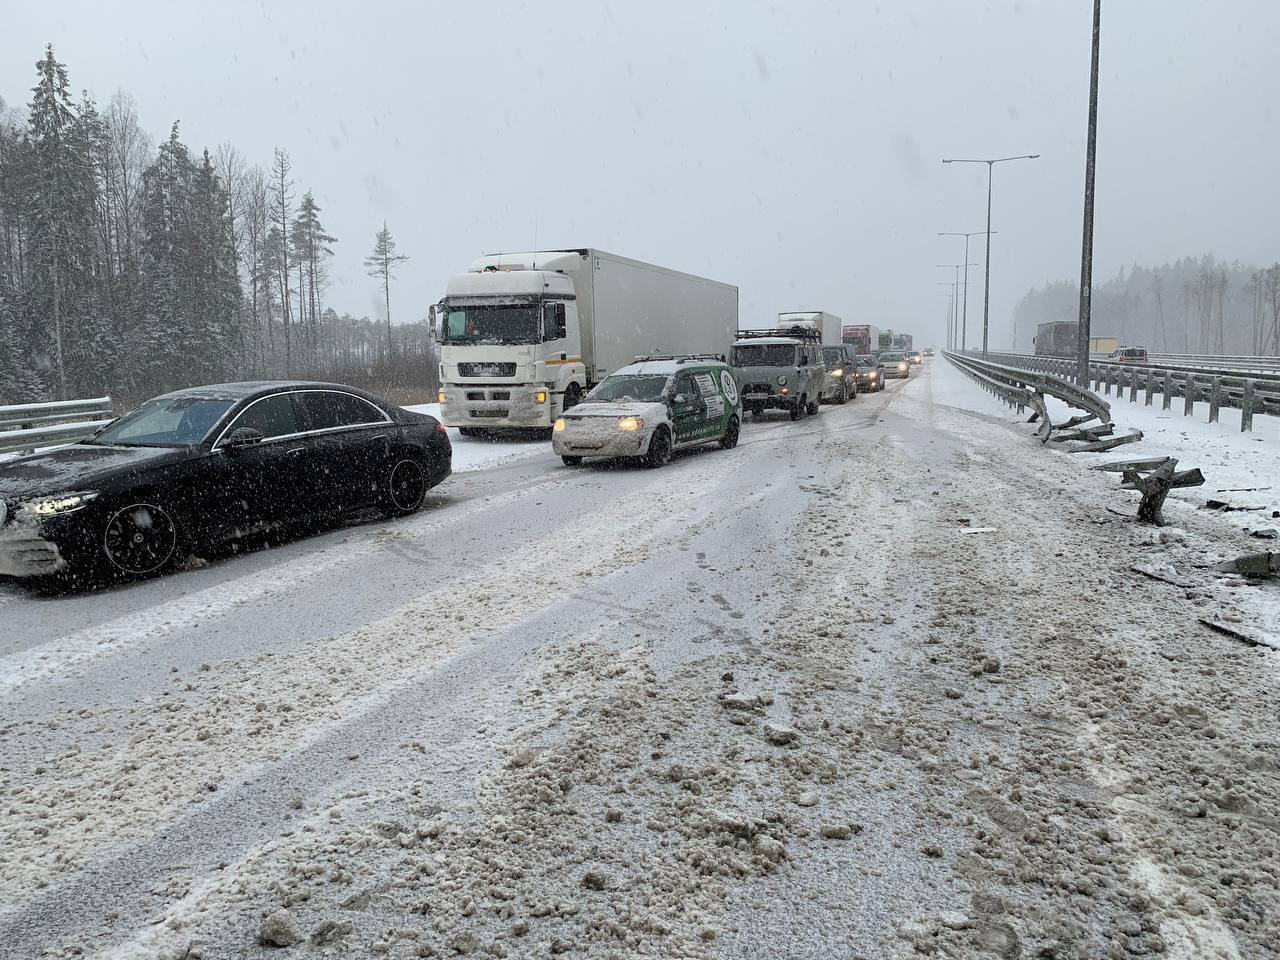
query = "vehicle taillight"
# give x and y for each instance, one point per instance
(441, 428)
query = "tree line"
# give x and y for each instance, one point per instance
(130, 269)
(1190, 306)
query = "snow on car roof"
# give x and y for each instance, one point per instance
(767, 341)
(662, 366)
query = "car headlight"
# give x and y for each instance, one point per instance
(782, 381)
(61, 503)
(838, 372)
(873, 374)
(558, 426)
(902, 366)
(630, 423)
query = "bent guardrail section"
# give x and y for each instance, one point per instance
(26, 427)
(1250, 392)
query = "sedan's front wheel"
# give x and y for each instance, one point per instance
(140, 538)
(406, 486)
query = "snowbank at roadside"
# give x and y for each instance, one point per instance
(472, 453)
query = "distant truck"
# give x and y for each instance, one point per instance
(861, 336)
(884, 341)
(828, 325)
(901, 341)
(523, 336)
(1058, 339)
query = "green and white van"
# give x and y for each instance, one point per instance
(651, 408)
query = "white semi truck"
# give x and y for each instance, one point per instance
(828, 324)
(523, 336)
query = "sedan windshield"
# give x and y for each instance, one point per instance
(764, 355)
(506, 323)
(833, 358)
(866, 360)
(166, 422)
(647, 387)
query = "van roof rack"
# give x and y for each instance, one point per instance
(796, 332)
(679, 358)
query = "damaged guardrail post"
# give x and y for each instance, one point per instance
(1155, 486)
(1246, 407)
(1215, 399)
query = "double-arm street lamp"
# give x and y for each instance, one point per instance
(964, 319)
(986, 296)
(956, 267)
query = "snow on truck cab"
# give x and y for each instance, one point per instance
(651, 408)
(524, 336)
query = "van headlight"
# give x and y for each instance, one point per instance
(630, 423)
(60, 503)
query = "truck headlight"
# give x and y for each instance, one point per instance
(782, 381)
(440, 397)
(558, 426)
(61, 503)
(540, 397)
(630, 423)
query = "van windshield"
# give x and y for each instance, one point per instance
(764, 355)
(501, 323)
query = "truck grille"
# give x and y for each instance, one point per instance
(487, 369)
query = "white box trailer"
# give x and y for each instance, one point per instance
(828, 324)
(524, 335)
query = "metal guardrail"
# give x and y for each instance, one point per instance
(29, 426)
(1251, 393)
(1012, 382)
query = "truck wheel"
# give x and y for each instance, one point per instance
(659, 449)
(730, 438)
(813, 409)
(796, 410)
(572, 394)
(572, 461)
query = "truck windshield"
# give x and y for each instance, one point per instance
(492, 324)
(764, 355)
(648, 387)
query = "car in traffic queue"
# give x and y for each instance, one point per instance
(1132, 356)
(207, 465)
(870, 372)
(915, 357)
(780, 369)
(649, 409)
(896, 364)
(842, 371)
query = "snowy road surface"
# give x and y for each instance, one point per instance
(878, 684)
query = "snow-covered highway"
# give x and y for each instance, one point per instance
(784, 700)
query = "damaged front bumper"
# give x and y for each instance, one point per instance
(24, 552)
(600, 442)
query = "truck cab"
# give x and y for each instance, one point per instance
(510, 349)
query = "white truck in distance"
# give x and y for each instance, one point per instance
(523, 336)
(827, 324)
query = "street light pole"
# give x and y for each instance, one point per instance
(1086, 251)
(957, 267)
(986, 295)
(964, 323)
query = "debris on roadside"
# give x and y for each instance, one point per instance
(1162, 572)
(1222, 506)
(1253, 636)
(1266, 564)
(1133, 436)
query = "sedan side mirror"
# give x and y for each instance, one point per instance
(243, 437)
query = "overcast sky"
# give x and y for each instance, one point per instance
(792, 148)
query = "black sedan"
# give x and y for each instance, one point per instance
(870, 373)
(211, 464)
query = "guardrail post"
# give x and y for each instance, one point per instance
(1168, 390)
(1133, 385)
(1151, 382)
(1246, 407)
(1189, 396)
(1215, 399)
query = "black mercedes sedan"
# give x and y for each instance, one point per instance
(206, 465)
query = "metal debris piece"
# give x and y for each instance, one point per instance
(1254, 636)
(1132, 437)
(1266, 564)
